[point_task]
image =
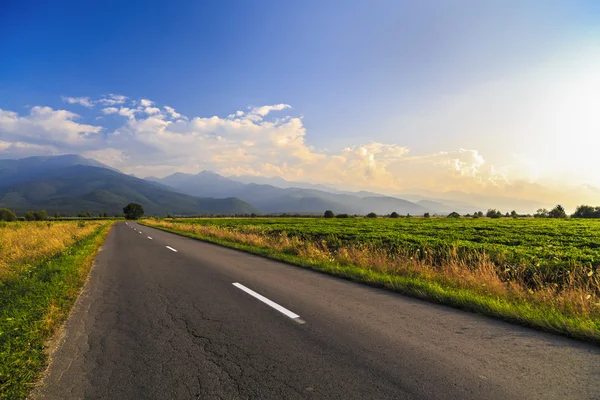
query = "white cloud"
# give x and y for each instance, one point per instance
(44, 125)
(151, 142)
(146, 103)
(84, 101)
(171, 111)
(110, 110)
(113, 99)
(152, 110)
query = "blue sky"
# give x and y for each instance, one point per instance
(354, 73)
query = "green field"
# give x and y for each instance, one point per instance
(541, 272)
(540, 244)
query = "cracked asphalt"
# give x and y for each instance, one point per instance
(157, 324)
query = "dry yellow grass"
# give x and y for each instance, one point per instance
(23, 244)
(579, 297)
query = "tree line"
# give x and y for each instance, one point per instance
(130, 211)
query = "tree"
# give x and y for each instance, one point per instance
(426, 215)
(29, 216)
(541, 213)
(514, 214)
(133, 211)
(57, 215)
(371, 215)
(557, 212)
(342, 216)
(7, 215)
(584, 211)
(394, 214)
(41, 215)
(493, 213)
(454, 214)
(328, 214)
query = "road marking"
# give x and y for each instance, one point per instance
(276, 306)
(149, 238)
(172, 249)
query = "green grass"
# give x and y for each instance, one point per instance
(33, 304)
(540, 249)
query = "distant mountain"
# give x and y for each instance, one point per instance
(14, 171)
(470, 202)
(271, 199)
(281, 183)
(78, 187)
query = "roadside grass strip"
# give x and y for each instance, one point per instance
(33, 304)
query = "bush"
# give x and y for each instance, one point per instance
(342, 216)
(328, 214)
(7, 215)
(371, 215)
(426, 215)
(29, 216)
(454, 214)
(394, 215)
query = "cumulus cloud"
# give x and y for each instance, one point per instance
(159, 141)
(46, 126)
(84, 101)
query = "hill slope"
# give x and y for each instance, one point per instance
(80, 188)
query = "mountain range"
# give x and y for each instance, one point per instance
(270, 199)
(72, 184)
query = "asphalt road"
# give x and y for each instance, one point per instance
(158, 322)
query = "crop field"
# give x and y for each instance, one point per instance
(42, 268)
(540, 272)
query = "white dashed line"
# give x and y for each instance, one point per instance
(149, 238)
(170, 248)
(276, 306)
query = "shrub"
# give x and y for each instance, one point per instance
(29, 216)
(7, 215)
(328, 214)
(342, 216)
(454, 214)
(371, 215)
(426, 215)
(394, 215)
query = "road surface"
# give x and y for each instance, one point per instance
(167, 317)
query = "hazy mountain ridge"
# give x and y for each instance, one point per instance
(71, 185)
(271, 199)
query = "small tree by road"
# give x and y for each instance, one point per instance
(133, 211)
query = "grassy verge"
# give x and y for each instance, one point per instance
(477, 289)
(33, 304)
